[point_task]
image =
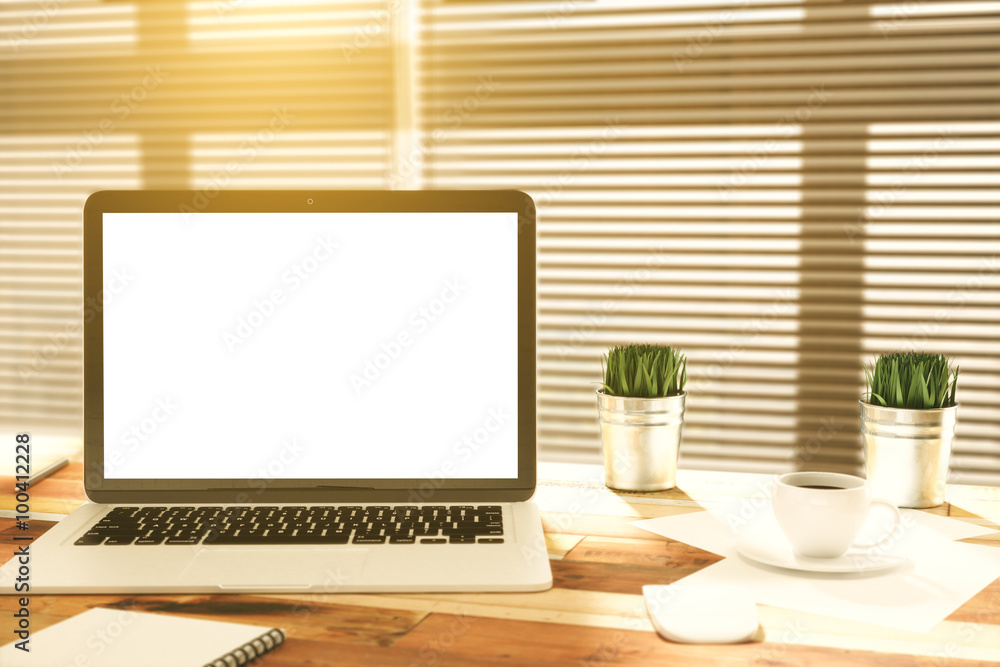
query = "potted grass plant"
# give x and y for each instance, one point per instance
(908, 417)
(641, 412)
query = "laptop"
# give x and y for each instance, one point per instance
(305, 391)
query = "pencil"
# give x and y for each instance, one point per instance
(47, 470)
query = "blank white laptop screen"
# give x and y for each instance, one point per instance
(310, 345)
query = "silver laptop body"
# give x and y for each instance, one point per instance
(287, 363)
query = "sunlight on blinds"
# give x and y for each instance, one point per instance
(64, 133)
(273, 159)
(208, 95)
(46, 29)
(45, 183)
(782, 188)
(714, 175)
(931, 243)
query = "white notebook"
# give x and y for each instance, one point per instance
(122, 638)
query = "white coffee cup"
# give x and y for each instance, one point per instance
(824, 521)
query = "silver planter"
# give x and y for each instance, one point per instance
(907, 453)
(641, 438)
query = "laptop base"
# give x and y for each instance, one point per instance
(58, 566)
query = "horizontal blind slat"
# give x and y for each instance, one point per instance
(682, 201)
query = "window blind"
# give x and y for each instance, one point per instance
(205, 95)
(781, 189)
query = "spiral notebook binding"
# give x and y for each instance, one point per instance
(268, 641)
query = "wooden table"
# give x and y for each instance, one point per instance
(593, 616)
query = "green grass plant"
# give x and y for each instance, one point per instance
(911, 381)
(640, 370)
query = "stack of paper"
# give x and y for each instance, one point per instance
(937, 578)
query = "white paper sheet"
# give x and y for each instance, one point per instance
(938, 578)
(717, 529)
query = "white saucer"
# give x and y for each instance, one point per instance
(775, 550)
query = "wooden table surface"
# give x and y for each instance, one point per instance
(594, 614)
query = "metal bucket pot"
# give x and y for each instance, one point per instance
(907, 453)
(641, 439)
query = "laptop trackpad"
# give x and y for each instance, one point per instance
(320, 570)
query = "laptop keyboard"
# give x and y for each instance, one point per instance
(409, 524)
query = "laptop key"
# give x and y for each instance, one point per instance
(288, 538)
(116, 530)
(465, 528)
(189, 534)
(218, 525)
(122, 510)
(422, 529)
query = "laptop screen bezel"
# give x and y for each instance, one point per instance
(240, 491)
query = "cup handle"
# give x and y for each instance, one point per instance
(888, 536)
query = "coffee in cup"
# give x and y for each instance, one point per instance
(821, 513)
